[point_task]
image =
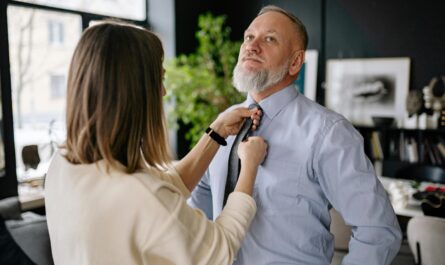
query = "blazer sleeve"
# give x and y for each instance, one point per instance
(186, 236)
(202, 196)
(172, 176)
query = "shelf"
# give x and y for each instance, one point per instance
(398, 147)
(395, 129)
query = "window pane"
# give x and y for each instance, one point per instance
(41, 44)
(130, 9)
(58, 86)
(55, 32)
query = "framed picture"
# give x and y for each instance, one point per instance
(361, 89)
(307, 79)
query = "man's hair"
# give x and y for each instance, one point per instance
(301, 29)
(114, 98)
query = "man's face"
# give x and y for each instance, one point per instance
(269, 44)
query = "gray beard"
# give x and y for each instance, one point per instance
(258, 81)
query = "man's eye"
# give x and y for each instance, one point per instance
(270, 39)
(248, 38)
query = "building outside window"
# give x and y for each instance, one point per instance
(55, 32)
(39, 71)
(58, 86)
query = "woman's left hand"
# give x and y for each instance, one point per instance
(230, 122)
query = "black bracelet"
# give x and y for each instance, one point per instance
(218, 138)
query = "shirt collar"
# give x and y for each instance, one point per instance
(274, 103)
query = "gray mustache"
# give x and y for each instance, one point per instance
(253, 57)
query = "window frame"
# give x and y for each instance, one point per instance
(8, 183)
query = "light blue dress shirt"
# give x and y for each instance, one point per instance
(315, 161)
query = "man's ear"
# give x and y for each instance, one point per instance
(297, 62)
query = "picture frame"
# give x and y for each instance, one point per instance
(361, 89)
(307, 79)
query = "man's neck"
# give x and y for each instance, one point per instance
(259, 96)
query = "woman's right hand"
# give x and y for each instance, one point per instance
(251, 153)
(230, 122)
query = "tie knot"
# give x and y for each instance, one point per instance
(255, 105)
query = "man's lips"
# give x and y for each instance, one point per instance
(253, 59)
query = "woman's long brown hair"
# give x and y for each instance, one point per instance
(114, 98)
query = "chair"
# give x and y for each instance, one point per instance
(426, 238)
(30, 156)
(25, 235)
(341, 231)
(422, 173)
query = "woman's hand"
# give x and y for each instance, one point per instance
(193, 165)
(230, 122)
(252, 151)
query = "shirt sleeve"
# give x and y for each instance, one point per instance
(188, 237)
(202, 196)
(348, 179)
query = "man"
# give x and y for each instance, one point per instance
(315, 161)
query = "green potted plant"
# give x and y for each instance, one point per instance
(200, 84)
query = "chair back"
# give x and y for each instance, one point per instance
(30, 156)
(427, 173)
(341, 231)
(426, 238)
(24, 237)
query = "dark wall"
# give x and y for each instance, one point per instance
(396, 28)
(239, 14)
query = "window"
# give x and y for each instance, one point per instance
(128, 9)
(39, 78)
(42, 35)
(55, 32)
(58, 86)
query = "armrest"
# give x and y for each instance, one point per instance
(10, 208)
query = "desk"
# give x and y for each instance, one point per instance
(30, 188)
(400, 192)
(31, 197)
(402, 206)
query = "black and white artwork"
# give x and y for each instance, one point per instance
(361, 89)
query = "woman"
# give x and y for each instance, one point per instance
(112, 196)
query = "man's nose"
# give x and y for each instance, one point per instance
(253, 46)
